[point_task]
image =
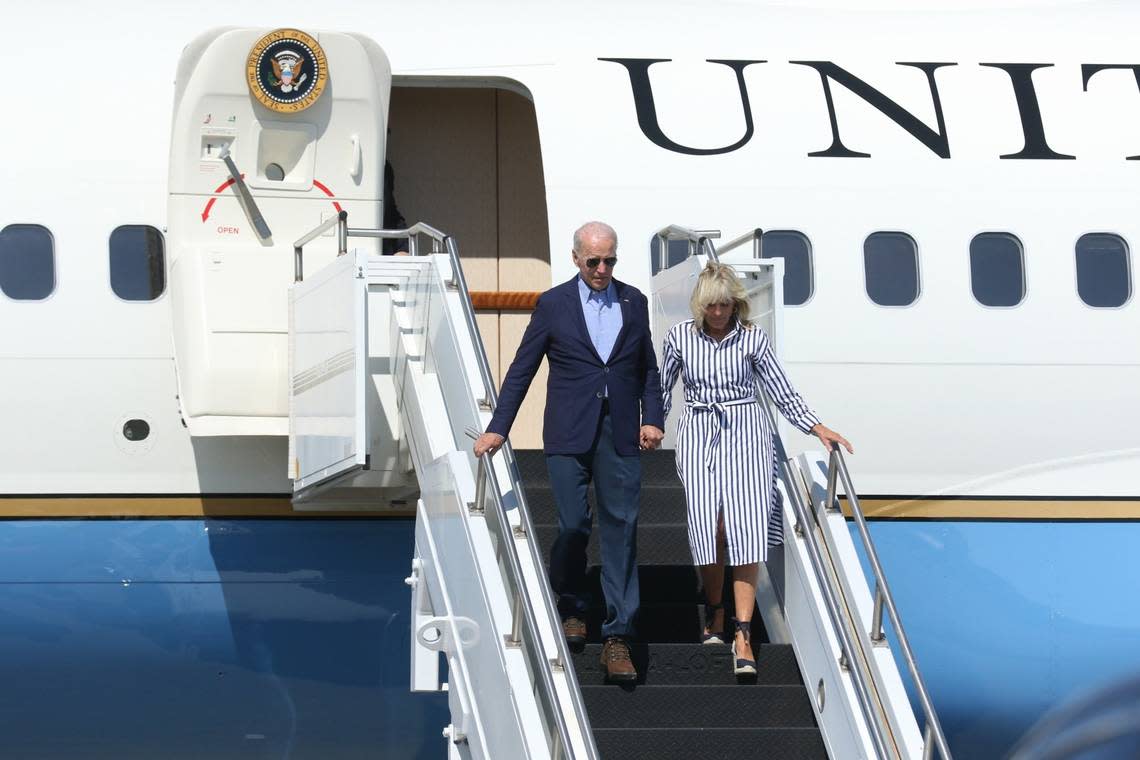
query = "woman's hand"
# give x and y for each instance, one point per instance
(829, 437)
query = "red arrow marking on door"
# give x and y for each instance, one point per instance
(327, 192)
(210, 203)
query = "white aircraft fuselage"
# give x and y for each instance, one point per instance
(999, 440)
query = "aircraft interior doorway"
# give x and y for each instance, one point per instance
(467, 160)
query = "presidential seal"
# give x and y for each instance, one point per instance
(286, 71)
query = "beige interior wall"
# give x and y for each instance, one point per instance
(468, 162)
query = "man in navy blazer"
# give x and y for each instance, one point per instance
(603, 406)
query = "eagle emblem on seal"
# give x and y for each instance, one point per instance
(287, 67)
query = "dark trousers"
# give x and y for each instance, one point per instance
(617, 486)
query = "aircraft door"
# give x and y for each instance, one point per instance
(274, 132)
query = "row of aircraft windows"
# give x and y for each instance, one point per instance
(997, 267)
(890, 265)
(27, 262)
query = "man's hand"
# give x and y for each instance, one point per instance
(651, 436)
(830, 437)
(488, 443)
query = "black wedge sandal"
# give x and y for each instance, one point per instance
(740, 665)
(709, 636)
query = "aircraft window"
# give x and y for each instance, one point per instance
(1103, 276)
(795, 249)
(138, 263)
(997, 269)
(27, 262)
(890, 267)
(274, 173)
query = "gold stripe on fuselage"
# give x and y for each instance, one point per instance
(41, 507)
(997, 509)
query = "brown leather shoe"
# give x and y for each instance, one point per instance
(575, 630)
(616, 660)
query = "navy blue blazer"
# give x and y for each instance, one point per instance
(557, 330)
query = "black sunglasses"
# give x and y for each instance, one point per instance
(593, 262)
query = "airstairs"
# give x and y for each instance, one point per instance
(390, 383)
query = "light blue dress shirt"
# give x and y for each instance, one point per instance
(603, 316)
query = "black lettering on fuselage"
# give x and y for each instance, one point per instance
(937, 142)
(1088, 69)
(638, 69)
(934, 139)
(1021, 76)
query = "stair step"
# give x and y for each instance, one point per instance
(672, 664)
(657, 467)
(668, 743)
(660, 622)
(665, 623)
(700, 706)
(659, 504)
(656, 544)
(675, 584)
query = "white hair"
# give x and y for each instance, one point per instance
(594, 229)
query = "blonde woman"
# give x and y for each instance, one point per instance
(725, 455)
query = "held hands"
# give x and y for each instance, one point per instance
(651, 436)
(488, 443)
(830, 437)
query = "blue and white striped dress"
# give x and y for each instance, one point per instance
(725, 455)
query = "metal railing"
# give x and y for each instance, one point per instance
(700, 241)
(524, 633)
(340, 221)
(852, 656)
(488, 477)
(837, 470)
(837, 609)
(524, 626)
(440, 243)
(755, 237)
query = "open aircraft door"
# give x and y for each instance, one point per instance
(275, 131)
(329, 377)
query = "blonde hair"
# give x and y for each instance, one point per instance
(719, 283)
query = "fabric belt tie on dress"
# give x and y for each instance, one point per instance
(721, 409)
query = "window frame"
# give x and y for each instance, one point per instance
(165, 271)
(917, 270)
(54, 267)
(1024, 275)
(1127, 266)
(810, 260)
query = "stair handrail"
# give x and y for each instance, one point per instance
(489, 403)
(832, 594)
(837, 470)
(837, 612)
(700, 241)
(755, 236)
(522, 619)
(520, 611)
(340, 221)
